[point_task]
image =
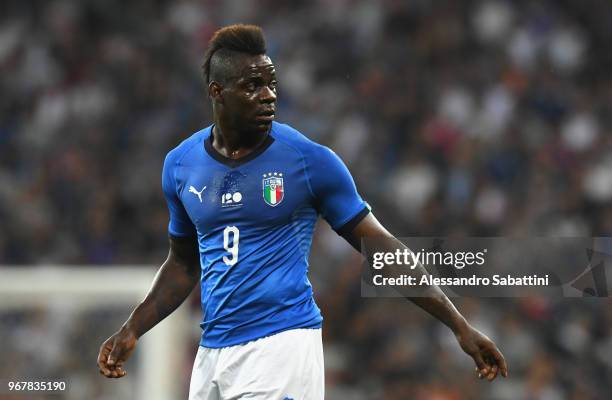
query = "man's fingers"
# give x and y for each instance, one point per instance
(501, 362)
(119, 373)
(114, 373)
(107, 361)
(103, 357)
(115, 354)
(103, 353)
(119, 367)
(103, 370)
(493, 373)
(489, 360)
(483, 369)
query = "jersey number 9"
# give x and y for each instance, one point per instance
(233, 249)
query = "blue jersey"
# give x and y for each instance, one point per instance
(254, 219)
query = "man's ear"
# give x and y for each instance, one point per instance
(214, 91)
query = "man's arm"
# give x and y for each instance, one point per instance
(489, 360)
(172, 284)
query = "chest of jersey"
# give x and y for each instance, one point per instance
(264, 192)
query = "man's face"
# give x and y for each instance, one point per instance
(250, 98)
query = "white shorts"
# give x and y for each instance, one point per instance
(285, 366)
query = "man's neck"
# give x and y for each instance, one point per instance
(235, 144)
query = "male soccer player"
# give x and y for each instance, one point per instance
(244, 195)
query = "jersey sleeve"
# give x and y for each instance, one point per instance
(335, 192)
(180, 225)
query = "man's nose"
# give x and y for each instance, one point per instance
(268, 95)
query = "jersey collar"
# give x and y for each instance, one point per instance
(231, 162)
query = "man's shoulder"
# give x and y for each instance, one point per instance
(186, 146)
(290, 136)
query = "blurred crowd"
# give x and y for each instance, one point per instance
(481, 118)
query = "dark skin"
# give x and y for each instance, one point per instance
(174, 281)
(243, 110)
(487, 357)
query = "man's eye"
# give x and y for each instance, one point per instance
(273, 84)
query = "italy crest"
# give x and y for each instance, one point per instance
(273, 188)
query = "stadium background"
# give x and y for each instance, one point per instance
(482, 118)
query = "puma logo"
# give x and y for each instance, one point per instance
(194, 191)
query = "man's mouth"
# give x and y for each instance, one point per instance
(267, 116)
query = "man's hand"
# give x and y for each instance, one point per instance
(114, 352)
(173, 282)
(489, 360)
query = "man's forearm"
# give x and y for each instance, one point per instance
(370, 237)
(433, 300)
(430, 298)
(171, 286)
(440, 306)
